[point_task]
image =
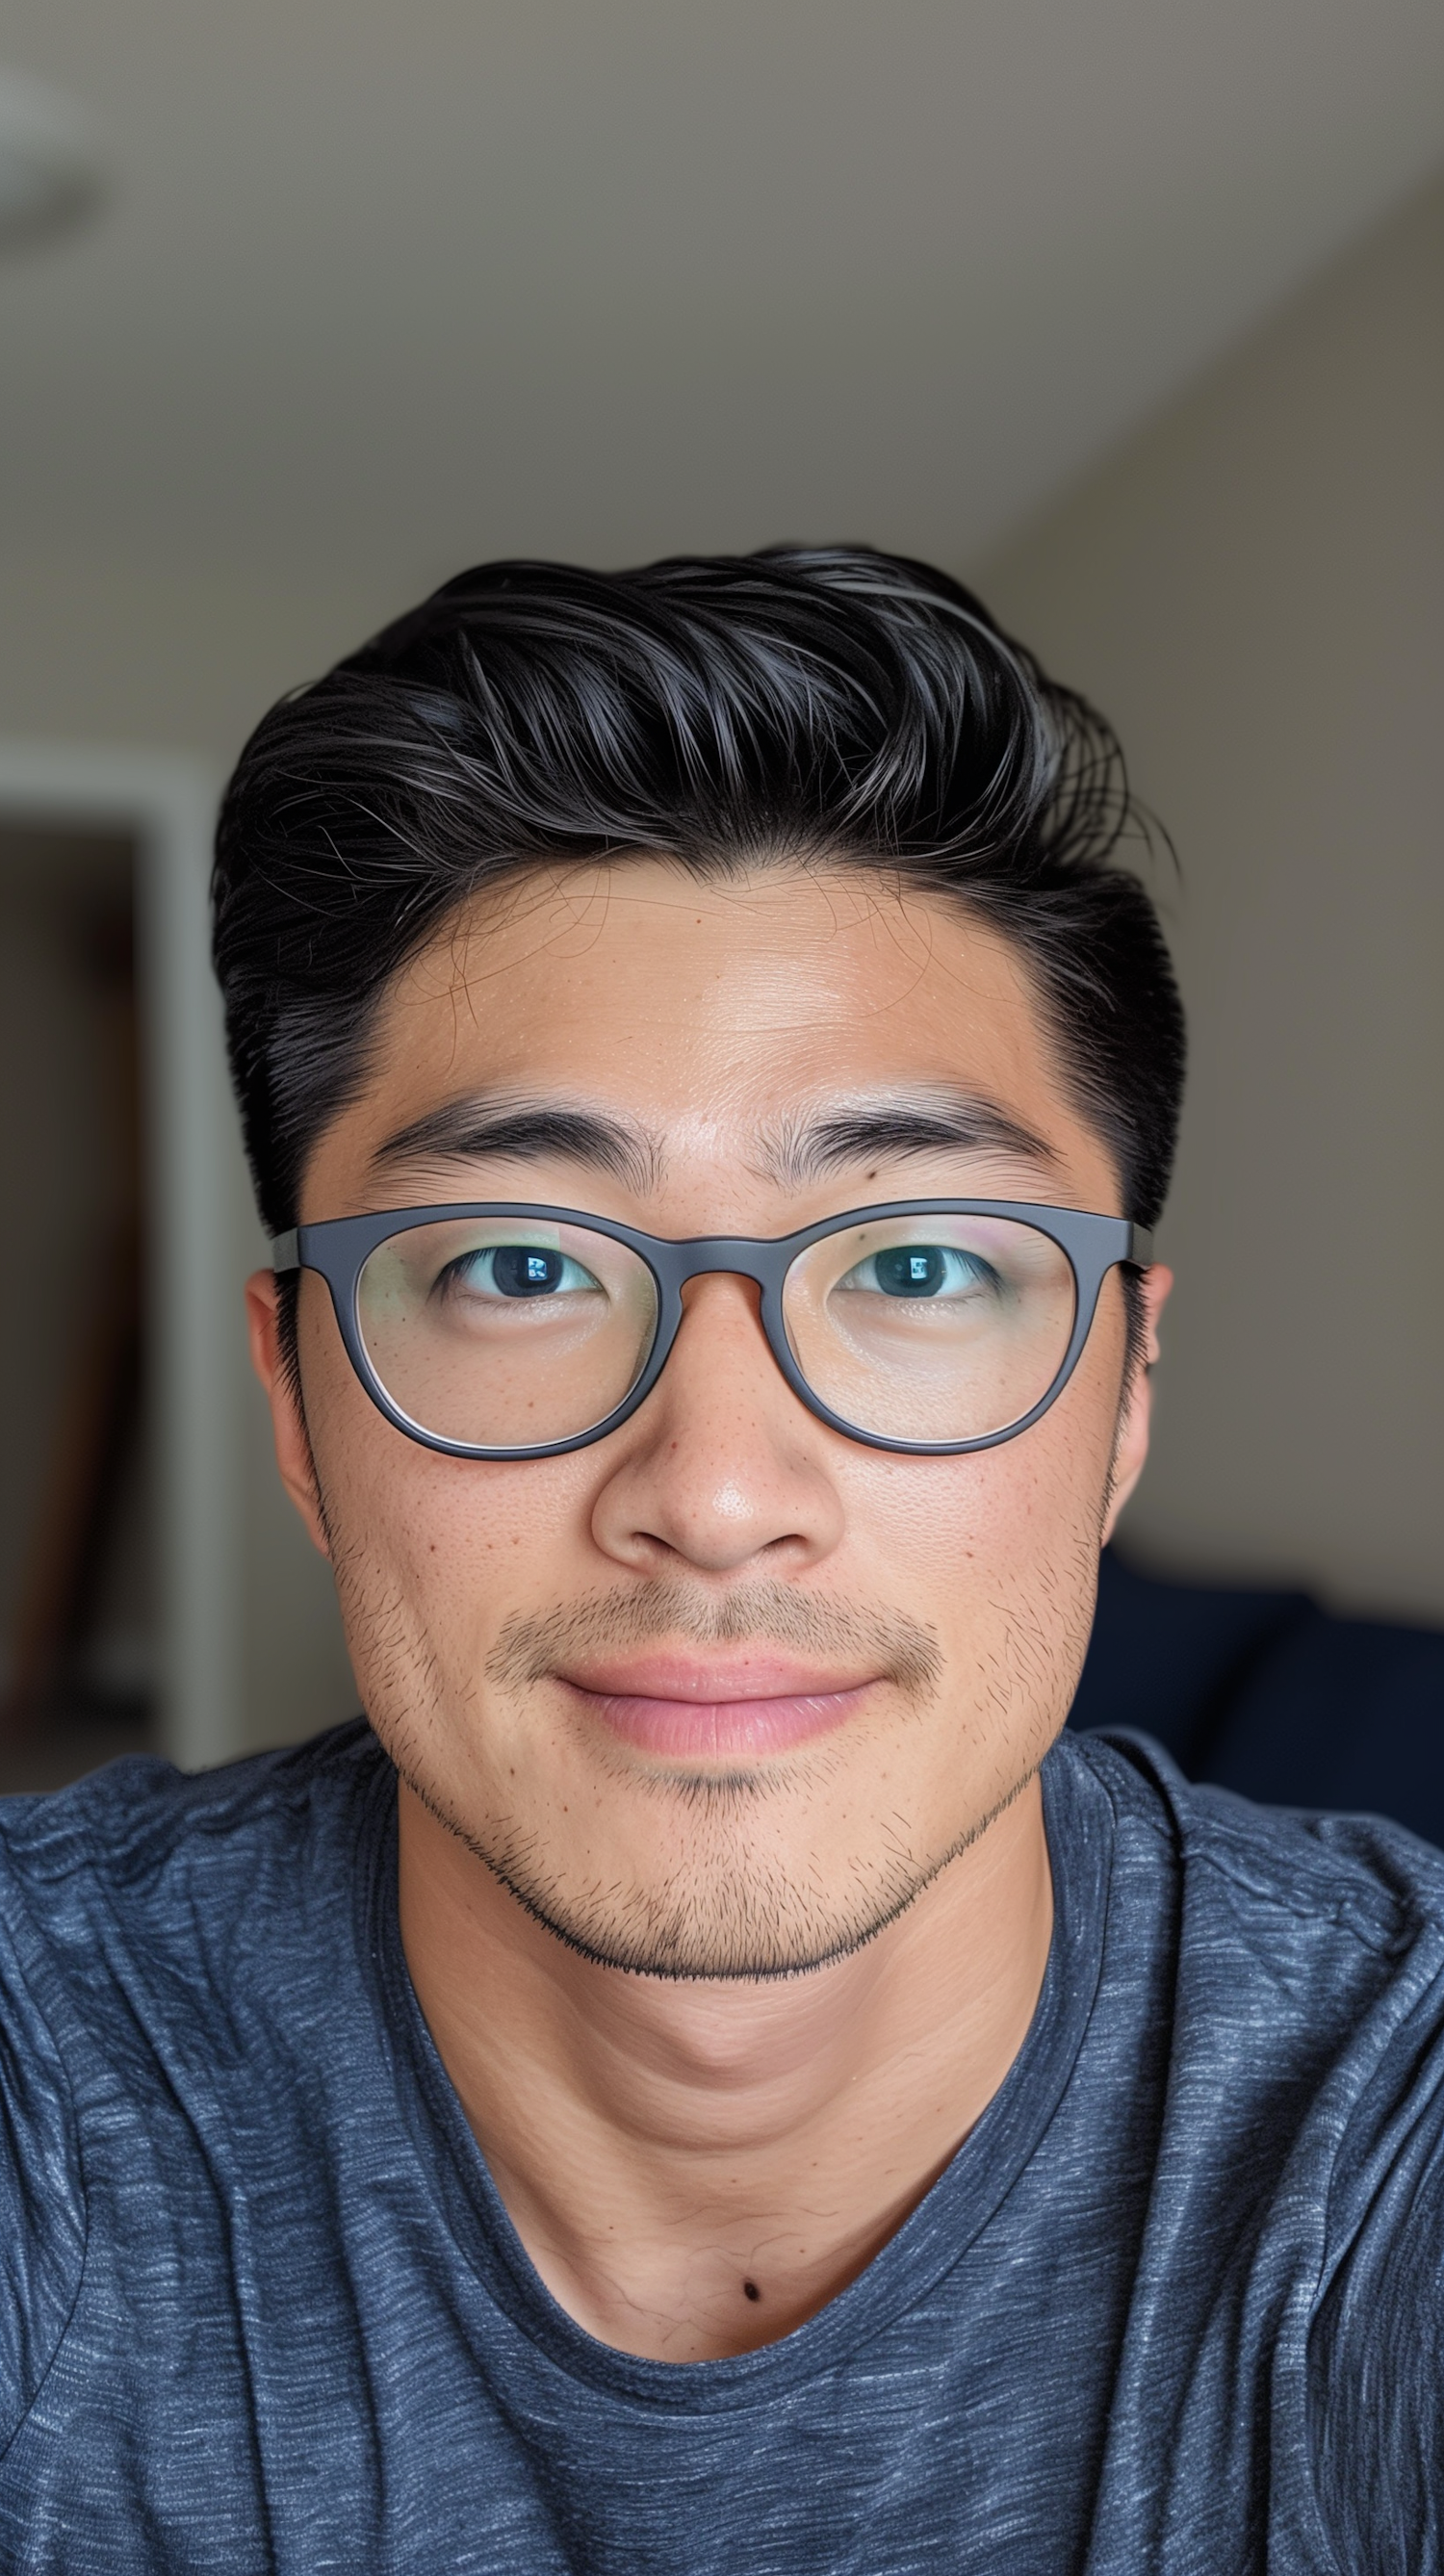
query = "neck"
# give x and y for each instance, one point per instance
(695, 2168)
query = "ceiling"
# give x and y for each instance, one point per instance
(397, 287)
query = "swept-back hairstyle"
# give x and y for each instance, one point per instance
(829, 707)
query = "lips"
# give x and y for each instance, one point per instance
(738, 1708)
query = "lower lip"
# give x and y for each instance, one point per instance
(724, 1730)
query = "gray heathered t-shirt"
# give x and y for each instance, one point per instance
(1175, 2305)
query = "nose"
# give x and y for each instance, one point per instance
(722, 1467)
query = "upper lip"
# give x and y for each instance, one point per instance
(759, 1672)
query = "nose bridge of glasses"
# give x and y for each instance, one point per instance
(758, 1258)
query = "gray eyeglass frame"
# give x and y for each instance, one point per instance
(339, 1248)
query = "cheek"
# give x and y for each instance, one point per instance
(1027, 1502)
(430, 1552)
(998, 1552)
(994, 1512)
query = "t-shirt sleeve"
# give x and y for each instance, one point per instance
(42, 2207)
(1377, 2351)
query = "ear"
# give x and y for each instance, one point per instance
(1133, 1426)
(288, 1422)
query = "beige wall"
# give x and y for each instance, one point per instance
(1254, 591)
(175, 656)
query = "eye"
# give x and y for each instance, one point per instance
(516, 1270)
(923, 1270)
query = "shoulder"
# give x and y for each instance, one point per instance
(143, 1894)
(1303, 1970)
(1291, 1879)
(1283, 1957)
(127, 1830)
(141, 1917)
(1374, 2362)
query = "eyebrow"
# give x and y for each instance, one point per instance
(792, 1152)
(472, 1130)
(934, 1122)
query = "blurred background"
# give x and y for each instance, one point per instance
(1131, 314)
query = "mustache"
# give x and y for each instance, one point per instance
(899, 1648)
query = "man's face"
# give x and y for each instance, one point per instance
(721, 1693)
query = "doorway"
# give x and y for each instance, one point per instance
(120, 1471)
(79, 1644)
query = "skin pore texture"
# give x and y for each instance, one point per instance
(720, 1998)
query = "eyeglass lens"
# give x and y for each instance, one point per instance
(502, 1333)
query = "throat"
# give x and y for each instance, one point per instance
(696, 2168)
(662, 2299)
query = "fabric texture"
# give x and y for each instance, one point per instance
(1174, 2306)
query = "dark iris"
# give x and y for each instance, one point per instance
(910, 1270)
(525, 1270)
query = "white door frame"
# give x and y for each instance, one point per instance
(166, 804)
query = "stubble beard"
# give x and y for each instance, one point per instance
(731, 1909)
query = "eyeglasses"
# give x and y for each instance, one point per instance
(500, 1329)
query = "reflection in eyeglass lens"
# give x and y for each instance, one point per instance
(503, 1332)
(932, 1328)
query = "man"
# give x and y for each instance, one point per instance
(705, 2077)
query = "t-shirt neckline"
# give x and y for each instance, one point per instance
(1079, 1821)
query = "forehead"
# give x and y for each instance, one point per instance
(708, 1010)
(665, 980)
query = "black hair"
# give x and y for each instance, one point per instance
(832, 706)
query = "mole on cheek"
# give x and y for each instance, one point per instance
(750, 2290)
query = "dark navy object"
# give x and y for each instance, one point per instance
(1174, 2306)
(1265, 1693)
